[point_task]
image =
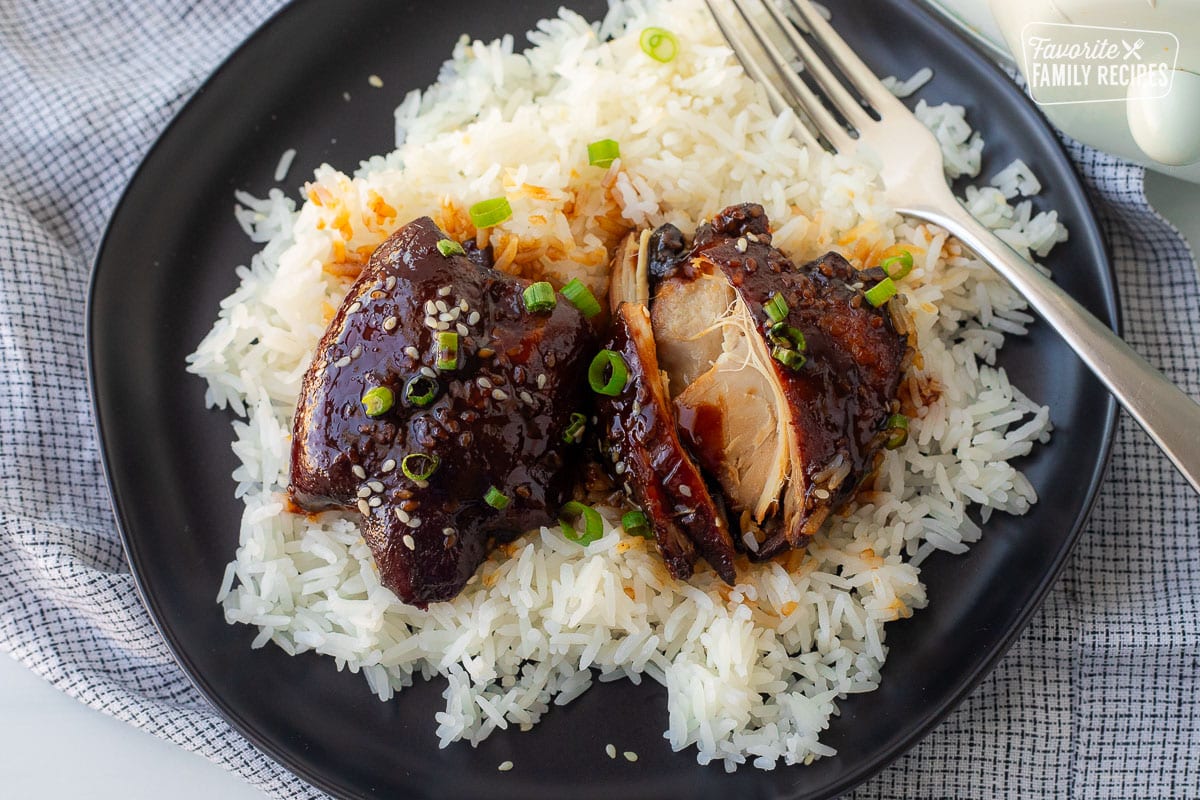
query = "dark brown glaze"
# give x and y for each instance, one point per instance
(842, 396)
(641, 446)
(495, 421)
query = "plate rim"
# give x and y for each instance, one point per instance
(856, 775)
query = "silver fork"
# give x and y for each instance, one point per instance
(914, 184)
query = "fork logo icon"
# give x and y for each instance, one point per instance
(1133, 50)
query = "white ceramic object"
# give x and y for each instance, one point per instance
(1162, 133)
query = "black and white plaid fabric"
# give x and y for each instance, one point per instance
(1097, 699)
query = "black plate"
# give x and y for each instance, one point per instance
(168, 258)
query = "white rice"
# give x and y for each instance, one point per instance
(755, 673)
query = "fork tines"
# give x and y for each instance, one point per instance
(821, 97)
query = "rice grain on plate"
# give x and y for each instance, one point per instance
(753, 673)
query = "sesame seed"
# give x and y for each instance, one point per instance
(375, 502)
(741, 244)
(454, 313)
(541, 381)
(444, 291)
(821, 493)
(526, 397)
(464, 305)
(685, 490)
(441, 306)
(462, 329)
(364, 508)
(414, 522)
(364, 491)
(499, 394)
(473, 318)
(620, 468)
(505, 767)
(421, 485)
(443, 326)
(388, 465)
(355, 306)
(390, 323)
(445, 317)
(375, 81)
(358, 471)
(430, 307)
(342, 362)
(410, 542)
(428, 372)
(356, 352)
(375, 486)
(401, 515)
(390, 283)
(483, 382)
(448, 531)
(431, 322)
(612, 751)
(630, 755)
(412, 352)
(752, 237)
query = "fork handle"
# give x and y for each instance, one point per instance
(1162, 409)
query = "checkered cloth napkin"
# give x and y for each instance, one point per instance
(1098, 698)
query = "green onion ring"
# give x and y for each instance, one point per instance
(449, 247)
(539, 297)
(411, 466)
(896, 429)
(447, 352)
(378, 401)
(581, 297)
(496, 498)
(603, 153)
(904, 259)
(636, 524)
(788, 357)
(420, 390)
(776, 308)
(659, 43)
(574, 431)
(608, 361)
(488, 213)
(881, 292)
(593, 525)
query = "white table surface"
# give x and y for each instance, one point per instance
(109, 760)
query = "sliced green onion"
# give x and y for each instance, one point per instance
(570, 516)
(419, 466)
(785, 335)
(574, 431)
(603, 152)
(608, 362)
(897, 431)
(447, 351)
(378, 401)
(487, 213)
(881, 292)
(539, 297)
(788, 357)
(496, 498)
(904, 259)
(420, 391)
(581, 297)
(635, 524)
(659, 43)
(449, 247)
(776, 308)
